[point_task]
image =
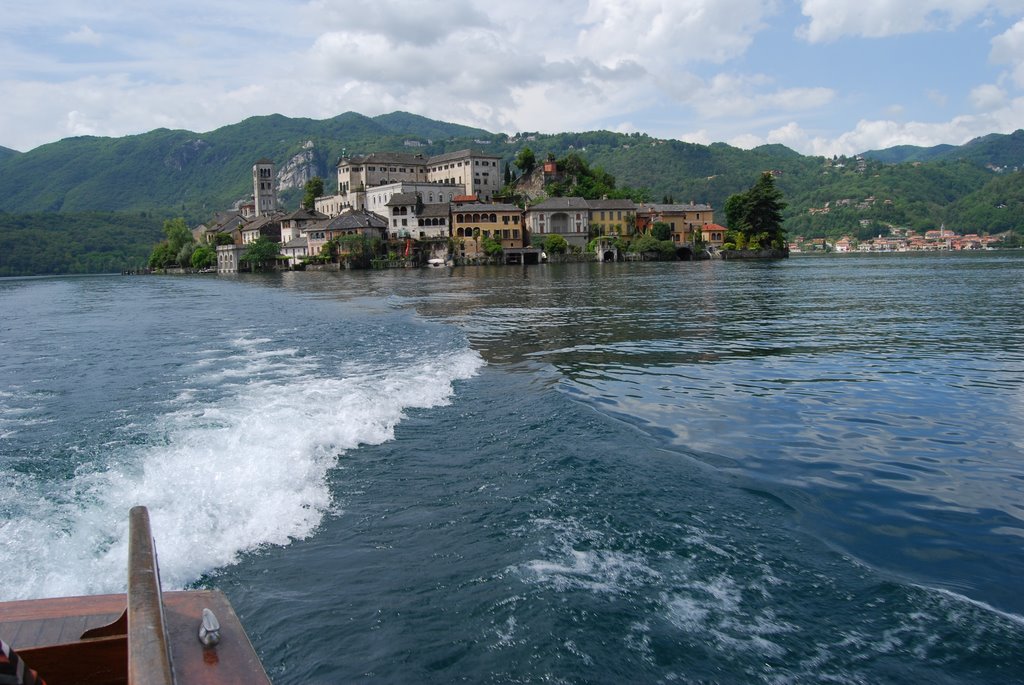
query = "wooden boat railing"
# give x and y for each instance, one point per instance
(149, 653)
(156, 639)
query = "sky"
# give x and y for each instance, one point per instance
(822, 77)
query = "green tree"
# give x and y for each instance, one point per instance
(526, 160)
(161, 256)
(184, 257)
(203, 256)
(661, 230)
(314, 189)
(491, 247)
(329, 250)
(177, 233)
(224, 239)
(260, 253)
(648, 244)
(756, 215)
(555, 244)
(736, 212)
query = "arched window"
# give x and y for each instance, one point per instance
(476, 217)
(494, 218)
(460, 218)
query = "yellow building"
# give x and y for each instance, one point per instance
(685, 220)
(612, 217)
(473, 221)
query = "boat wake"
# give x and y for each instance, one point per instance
(236, 460)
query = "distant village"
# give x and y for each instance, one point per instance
(899, 240)
(442, 209)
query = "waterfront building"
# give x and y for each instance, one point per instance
(409, 217)
(350, 222)
(266, 226)
(713, 235)
(292, 224)
(612, 217)
(472, 221)
(568, 217)
(685, 220)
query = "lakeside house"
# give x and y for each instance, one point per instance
(439, 207)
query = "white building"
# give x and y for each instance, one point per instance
(478, 173)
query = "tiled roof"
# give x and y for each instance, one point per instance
(436, 209)
(261, 221)
(480, 207)
(296, 242)
(669, 209)
(555, 203)
(612, 204)
(356, 218)
(399, 199)
(302, 214)
(459, 154)
(385, 158)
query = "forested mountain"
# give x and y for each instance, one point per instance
(975, 187)
(998, 150)
(190, 173)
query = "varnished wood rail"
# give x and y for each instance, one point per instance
(149, 652)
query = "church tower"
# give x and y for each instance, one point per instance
(264, 194)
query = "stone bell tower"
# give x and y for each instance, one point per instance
(264, 193)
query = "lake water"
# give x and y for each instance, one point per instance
(804, 471)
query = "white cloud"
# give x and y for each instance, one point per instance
(832, 19)
(988, 97)
(417, 22)
(746, 141)
(1008, 49)
(880, 134)
(84, 36)
(937, 98)
(529, 65)
(670, 32)
(732, 96)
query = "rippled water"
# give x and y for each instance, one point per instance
(798, 471)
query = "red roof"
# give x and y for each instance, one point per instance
(464, 198)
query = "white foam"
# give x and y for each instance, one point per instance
(221, 478)
(1013, 618)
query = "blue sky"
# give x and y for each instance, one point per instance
(821, 76)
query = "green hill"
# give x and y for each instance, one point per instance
(998, 150)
